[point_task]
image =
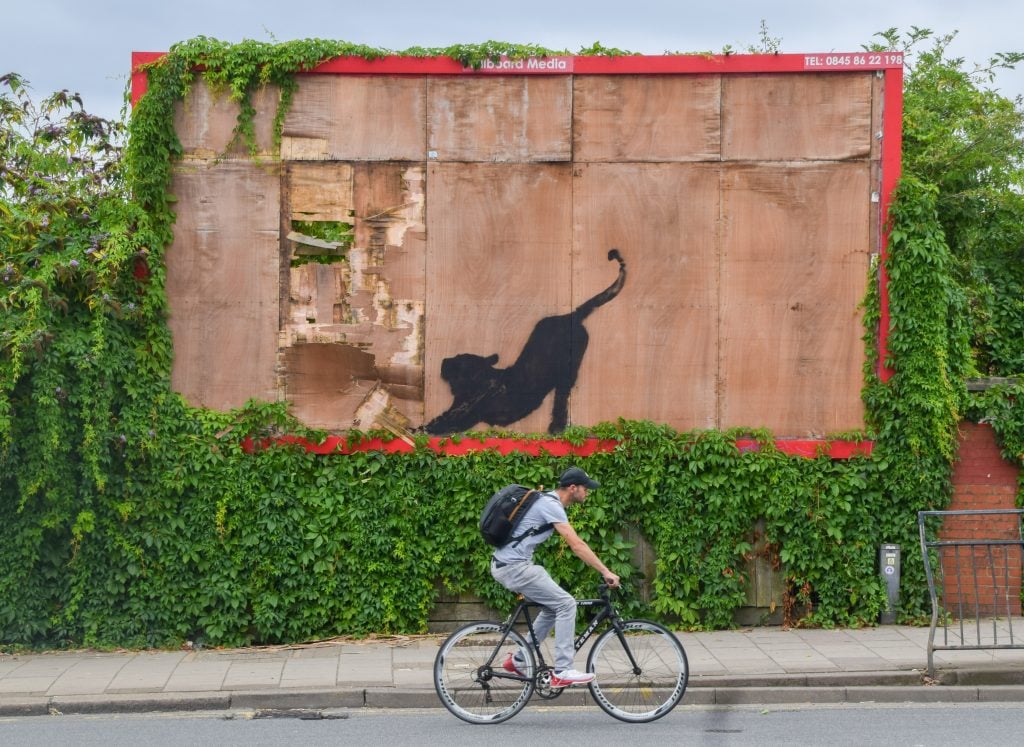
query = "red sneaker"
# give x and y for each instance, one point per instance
(568, 677)
(510, 666)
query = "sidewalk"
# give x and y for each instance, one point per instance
(749, 666)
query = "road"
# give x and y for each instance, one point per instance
(834, 725)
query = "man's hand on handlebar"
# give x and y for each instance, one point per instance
(611, 579)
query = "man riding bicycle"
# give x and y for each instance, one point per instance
(512, 566)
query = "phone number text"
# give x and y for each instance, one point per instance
(883, 59)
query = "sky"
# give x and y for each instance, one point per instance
(86, 47)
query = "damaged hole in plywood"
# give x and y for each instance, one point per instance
(322, 242)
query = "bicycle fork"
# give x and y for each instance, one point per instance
(620, 633)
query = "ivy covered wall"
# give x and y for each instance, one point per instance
(128, 518)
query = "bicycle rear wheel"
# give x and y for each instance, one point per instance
(651, 688)
(475, 690)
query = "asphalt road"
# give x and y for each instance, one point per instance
(838, 725)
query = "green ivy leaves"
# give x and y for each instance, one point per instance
(128, 518)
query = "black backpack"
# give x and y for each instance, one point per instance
(504, 511)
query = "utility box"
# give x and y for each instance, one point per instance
(889, 565)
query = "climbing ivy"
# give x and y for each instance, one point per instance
(966, 140)
(129, 518)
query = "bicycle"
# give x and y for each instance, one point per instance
(641, 666)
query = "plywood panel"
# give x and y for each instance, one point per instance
(320, 191)
(498, 251)
(796, 117)
(353, 336)
(795, 253)
(222, 283)
(654, 349)
(356, 118)
(513, 118)
(205, 122)
(647, 118)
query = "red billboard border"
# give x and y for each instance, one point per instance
(808, 448)
(887, 64)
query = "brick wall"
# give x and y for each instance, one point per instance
(983, 580)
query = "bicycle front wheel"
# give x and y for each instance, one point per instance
(470, 678)
(641, 672)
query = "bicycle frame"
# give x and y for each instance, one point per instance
(607, 611)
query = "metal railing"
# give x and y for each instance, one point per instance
(973, 560)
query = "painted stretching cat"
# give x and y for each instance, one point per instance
(550, 361)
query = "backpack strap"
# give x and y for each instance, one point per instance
(529, 532)
(523, 502)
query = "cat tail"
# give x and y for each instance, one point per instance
(608, 293)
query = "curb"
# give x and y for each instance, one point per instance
(892, 678)
(854, 688)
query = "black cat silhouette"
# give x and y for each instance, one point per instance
(550, 361)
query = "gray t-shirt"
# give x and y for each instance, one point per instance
(547, 509)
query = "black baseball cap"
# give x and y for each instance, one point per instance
(576, 476)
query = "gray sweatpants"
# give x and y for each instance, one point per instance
(558, 607)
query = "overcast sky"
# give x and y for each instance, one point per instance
(86, 46)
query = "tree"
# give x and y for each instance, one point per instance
(966, 139)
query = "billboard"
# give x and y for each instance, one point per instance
(539, 243)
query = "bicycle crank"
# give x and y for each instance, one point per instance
(542, 685)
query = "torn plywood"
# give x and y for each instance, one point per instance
(377, 410)
(352, 304)
(313, 246)
(320, 191)
(326, 382)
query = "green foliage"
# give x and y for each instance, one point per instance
(129, 518)
(967, 140)
(915, 412)
(1003, 407)
(338, 232)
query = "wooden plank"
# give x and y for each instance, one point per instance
(795, 250)
(499, 238)
(647, 118)
(877, 116)
(222, 283)
(205, 122)
(506, 118)
(356, 118)
(797, 117)
(653, 351)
